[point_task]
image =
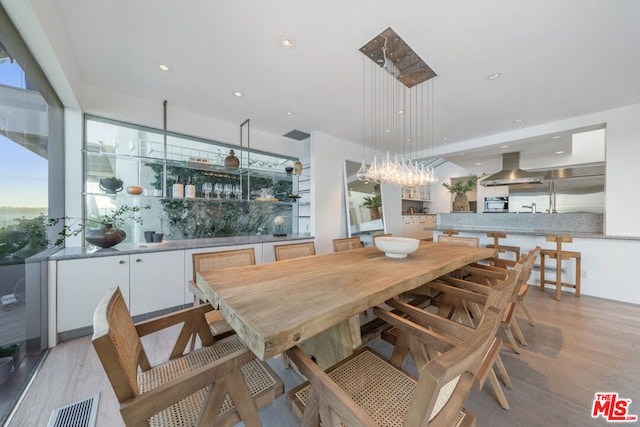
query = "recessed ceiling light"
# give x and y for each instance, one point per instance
(287, 43)
(164, 67)
(289, 113)
(444, 138)
(400, 111)
(559, 152)
(517, 121)
(478, 163)
(408, 140)
(493, 76)
(504, 146)
(387, 130)
(556, 137)
(238, 93)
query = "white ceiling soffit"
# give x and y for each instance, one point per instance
(553, 59)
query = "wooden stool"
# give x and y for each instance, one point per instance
(503, 248)
(450, 232)
(558, 254)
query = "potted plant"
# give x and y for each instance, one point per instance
(373, 203)
(108, 233)
(460, 188)
(110, 185)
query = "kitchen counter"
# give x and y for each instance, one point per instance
(170, 245)
(583, 224)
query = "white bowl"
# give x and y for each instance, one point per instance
(397, 247)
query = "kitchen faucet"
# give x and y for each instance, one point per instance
(532, 207)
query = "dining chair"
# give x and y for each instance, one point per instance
(347, 244)
(294, 250)
(455, 240)
(368, 390)
(207, 261)
(450, 332)
(219, 384)
(500, 265)
(375, 236)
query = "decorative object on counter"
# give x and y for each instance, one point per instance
(297, 167)
(293, 197)
(157, 237)
(396, 247)
(373, 203)
(189, 190)
(111, 185)
(108, 234)
(231, 161)
(177, 190)
(288, 170)
(134, 190)
(148, 236)
(279, 222)
(460, 188)
(389, 75)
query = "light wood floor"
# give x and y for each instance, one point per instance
(578, 347)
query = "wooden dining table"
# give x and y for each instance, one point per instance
(314, 301)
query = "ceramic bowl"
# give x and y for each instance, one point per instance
(397, 247)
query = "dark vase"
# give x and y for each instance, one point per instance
(231, 161)
(105, 236)
(110, 185)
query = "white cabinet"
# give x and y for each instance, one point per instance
(419, 192)
(414, 226)
(81, 285)
(148, 281)
(157, 281)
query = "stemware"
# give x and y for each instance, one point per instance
(206, 189)
(228, 189)
(237, 190)
(101, 143)
(132, 147)
(217, 190)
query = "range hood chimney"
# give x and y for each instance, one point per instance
(511, 173)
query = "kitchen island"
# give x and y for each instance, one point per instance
(600, 252)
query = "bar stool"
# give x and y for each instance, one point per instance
(558, 254)
(450, 232)
(503, 248)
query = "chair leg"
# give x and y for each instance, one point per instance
(526, 311)
(511, 339)
(495, 384)
(517, 331)
(542, 272)
(503, 372)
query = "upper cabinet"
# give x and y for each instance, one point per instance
(194, 188)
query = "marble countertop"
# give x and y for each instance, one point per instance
(169, 245)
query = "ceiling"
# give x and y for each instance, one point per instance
(555, 59)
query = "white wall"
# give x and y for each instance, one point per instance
(327, 155)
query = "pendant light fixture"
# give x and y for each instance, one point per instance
(394, 113)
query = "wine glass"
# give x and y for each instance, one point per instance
(238, 192)
(101, 143)
(217, 189)
(132, 147)
(228, 189)
(206, 189)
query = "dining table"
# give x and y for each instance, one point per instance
(314, 302)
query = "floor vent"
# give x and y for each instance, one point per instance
(79, 414)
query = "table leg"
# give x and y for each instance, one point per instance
(334, 344)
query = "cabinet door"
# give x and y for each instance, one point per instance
(157, 281)
(81, 285)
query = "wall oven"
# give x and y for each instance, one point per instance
(496, 204)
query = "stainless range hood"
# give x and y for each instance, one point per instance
(512, 174)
